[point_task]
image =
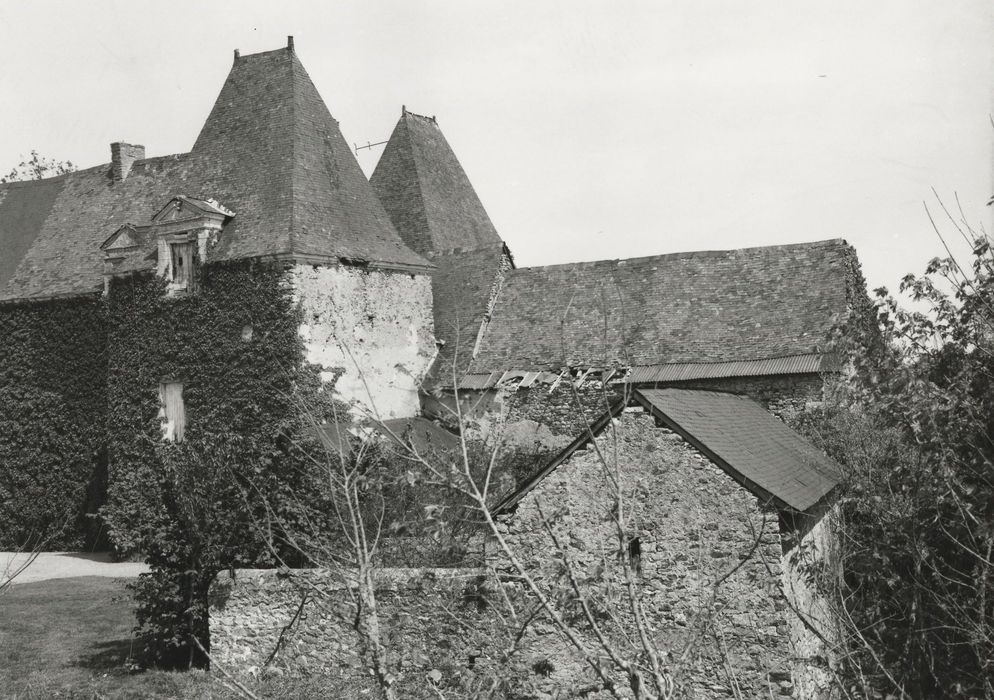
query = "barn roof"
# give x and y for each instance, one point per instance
(269, 151)
(426, 191)
(756, 449)
(752, 305)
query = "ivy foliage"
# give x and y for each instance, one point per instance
(200, 506)
(53, 382)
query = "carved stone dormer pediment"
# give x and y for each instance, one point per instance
(124, 240)
(187, 209)
(186, 230)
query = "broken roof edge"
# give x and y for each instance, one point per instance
(807, 363)
(784, 247)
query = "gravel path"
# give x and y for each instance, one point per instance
(51, 565)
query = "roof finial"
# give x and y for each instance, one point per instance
(403, 110)
(237, 54)
(289, 43)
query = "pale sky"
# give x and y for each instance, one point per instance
(590, 130)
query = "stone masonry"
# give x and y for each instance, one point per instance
(707, 569)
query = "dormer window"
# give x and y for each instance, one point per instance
(181, 237)
(187, 230)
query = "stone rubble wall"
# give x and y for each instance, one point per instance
(695, 525)
(304, 621)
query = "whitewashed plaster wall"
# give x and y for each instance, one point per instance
(372, 329)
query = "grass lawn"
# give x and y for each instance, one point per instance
(71, 638)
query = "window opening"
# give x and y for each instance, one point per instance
(172, 412)
(635, 554)
(181, 267)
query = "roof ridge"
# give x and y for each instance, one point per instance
(687, 254)
(409, 113)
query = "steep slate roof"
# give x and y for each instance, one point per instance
(750, 304)
(763, 454)
(426, 192)
(270, 151)
(23, 209)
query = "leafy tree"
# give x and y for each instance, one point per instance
(915, 427)
(37, 167)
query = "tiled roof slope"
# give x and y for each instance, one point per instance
(461, 287)
(715, 306)
(65, 257)
(269, 151)
(759, 450)
(270, 128)
(23, 209)
(426, 192)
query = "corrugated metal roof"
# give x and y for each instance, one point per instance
(683, 371)
(756, 448)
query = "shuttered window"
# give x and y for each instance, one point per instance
(181, 265)
(171, 411)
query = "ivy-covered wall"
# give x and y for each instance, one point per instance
(53, 402)
(235, 348)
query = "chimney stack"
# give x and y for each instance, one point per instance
(122, 157)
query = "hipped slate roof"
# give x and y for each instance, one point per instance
(270, 151)
(763, 454)
(752, 304)
(426, 192)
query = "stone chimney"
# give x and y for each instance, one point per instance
(122, 157)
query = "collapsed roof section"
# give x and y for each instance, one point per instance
(269, 149)
(752, 311)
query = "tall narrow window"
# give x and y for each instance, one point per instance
(181, 266)
(171, 411)
(635, 554)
